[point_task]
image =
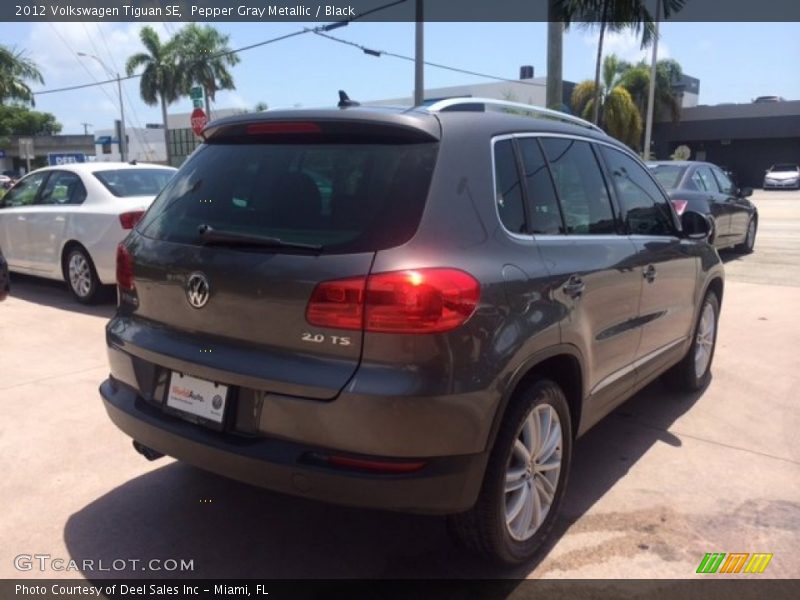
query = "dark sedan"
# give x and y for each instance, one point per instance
(705, 188)
(4, 284)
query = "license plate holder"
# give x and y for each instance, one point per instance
(197, 400)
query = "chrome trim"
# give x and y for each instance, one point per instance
(531, 108)
(619, 374)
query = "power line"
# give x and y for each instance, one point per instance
(280, 38)
(378, 53)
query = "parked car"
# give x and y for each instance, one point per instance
(782, 176)
(65, 222)
(5, 182)
(5, 283)
(704, 188)
(482, 288)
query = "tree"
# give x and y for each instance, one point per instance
(636, 79)
(16, 70)
(260, 106)
(20, 120)
(615, 16)
(204, 57)
(161, 79)
(618, 113)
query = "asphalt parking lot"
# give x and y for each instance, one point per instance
(655, 486)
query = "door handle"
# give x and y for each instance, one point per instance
(649, 273)
(574, 287)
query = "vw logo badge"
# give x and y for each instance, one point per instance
(197, 290)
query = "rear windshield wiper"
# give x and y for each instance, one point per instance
(209, 235)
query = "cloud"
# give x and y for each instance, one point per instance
(626, 45)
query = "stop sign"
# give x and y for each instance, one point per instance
(198, 120)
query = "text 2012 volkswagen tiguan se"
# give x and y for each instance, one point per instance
(416, 310)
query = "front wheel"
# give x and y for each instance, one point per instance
(749, 243)
(82, 278)
(694, 371)
(525, 478)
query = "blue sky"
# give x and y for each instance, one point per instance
(735, 62)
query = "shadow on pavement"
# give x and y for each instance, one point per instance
(232, 530)
(54, 294)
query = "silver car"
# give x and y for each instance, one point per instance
(782, 176)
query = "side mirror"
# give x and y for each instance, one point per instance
(696, 226)
(745, 192)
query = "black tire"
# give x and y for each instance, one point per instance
(747, 246)
(483, 528)
(83, 293)
(683, 377)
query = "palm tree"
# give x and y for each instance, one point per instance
(161, 80)
(205, 57)
(618, 113)
(636, 79)
(616, 16)
(16, 69)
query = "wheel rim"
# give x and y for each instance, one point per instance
(80, 275)
(704, 342)
(531, 477)
(751, 233)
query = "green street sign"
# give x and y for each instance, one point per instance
(196, 92)
(197, 102)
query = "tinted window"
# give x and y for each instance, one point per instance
(545, 214)
(706, 179)
(668, 175)
(580, 185)
(63, 188)
(725, 184)
(24, 193)
(345, 197)
(508, 191)
(646, 210)
(125, 183)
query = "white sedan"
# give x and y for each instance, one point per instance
(65, 222)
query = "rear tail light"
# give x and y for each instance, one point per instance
(129, 220)
(680, 206)
(413, 301)
(124, 269)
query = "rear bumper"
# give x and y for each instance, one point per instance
(444, 485)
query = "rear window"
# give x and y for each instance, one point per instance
(668, 175)
(125, 183)
(344, 197)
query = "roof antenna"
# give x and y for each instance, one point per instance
(344, 100)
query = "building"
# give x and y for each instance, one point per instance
(746, 138)
(43, 147)
(182, 140)
(145, 144)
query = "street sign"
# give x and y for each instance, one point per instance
(2, 153)
(197, 102)
(198, 120)
(65, 158)
(26, 149)
(196, 93)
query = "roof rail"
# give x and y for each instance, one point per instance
(443, 105)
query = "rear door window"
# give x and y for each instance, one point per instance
(63, 187)
(580, 186)
(345, 197)
(545, 214)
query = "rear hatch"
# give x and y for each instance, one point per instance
(262, 213)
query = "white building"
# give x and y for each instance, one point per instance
(144, 145)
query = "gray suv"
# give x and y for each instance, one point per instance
(416, 310)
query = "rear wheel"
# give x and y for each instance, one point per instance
(81, 276)
(749, 243)
(525, 478)
(694, 370)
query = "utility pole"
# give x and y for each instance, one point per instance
(651, 92)
(419, 57)
(86, 128)
(123, 141)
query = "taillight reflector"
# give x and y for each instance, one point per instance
(374, 466)
(680, 206)
(129, 220)
(124, 269)
(413, 301)
(278, 127)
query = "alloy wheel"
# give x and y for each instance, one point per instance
(80, 275)
(532, 473)
(704, 342)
